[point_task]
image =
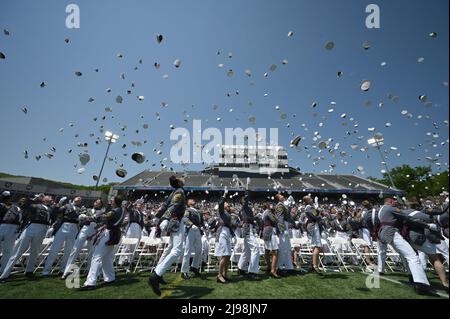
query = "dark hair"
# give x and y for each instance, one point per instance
(366, 204)
(174, 182)
(118, 200)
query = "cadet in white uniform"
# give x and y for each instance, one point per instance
(249, 261)
(66, 232)
(88, 229)
(10, 222)
(173, 211)
(284, 218)
(425, 240)
(391, 220)
(193, 222)
(40, 217)
(107, 237)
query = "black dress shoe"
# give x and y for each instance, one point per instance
(84, 288)
(153, 282)
(185, 276)
(424, 290)
(196, 271)
(241, 272)
(252, 276)
(29, 274)
(109, 282)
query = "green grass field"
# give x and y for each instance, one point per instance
(307, 286)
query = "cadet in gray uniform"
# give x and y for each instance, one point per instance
(10, 223)
(106, 238)
(284, 218)
(249, 261)
(193, 221)
(425, 240)
(88, 223)
(313, 228)
(173, 211)
(40, 216)
(391, 221)
(65, 233)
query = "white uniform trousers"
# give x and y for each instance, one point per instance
(205, 248)
(382, 250)
(65, 236)
(175, 252)
(193, 244)
(284, 257)
(8, 236)
(102, 259)
(32, 237)
(249, 260)
(133, 231)
(82, 239)
(407, 252)
(442, 249)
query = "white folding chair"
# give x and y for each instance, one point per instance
(148, 252)
(236, 253)
(211, 264)
(127, 249)
(334, 260)
(360, 244)
(45, 249)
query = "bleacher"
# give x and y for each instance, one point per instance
(294, 181)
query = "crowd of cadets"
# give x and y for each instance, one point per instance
(417, 230)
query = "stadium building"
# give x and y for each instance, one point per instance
(269, 173)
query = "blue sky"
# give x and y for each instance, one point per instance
(194, 32)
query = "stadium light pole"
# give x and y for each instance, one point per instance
(376, 142)
(110, 138)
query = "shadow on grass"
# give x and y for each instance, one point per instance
(363, 289)
(333, 276)
(189, 292)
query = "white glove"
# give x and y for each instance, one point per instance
(194, 227)
(446, 200)
(291, 200)
(432, 227)
(82, 218)
(62, 200)
(316, 202)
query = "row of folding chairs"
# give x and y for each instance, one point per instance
(142, 254)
